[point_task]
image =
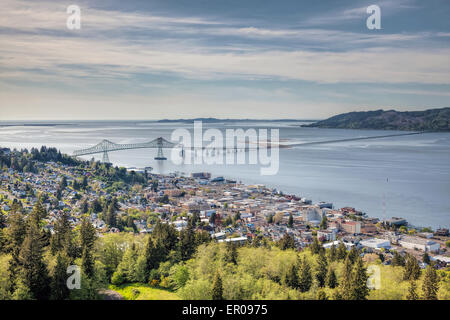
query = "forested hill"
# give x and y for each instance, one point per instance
(428, 120)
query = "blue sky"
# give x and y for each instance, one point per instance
(227, 59)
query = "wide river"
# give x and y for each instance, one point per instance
(405, 176)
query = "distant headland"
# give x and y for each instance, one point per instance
(428, 120)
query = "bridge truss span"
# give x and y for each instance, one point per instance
(106, 146)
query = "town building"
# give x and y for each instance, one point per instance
(375, 243)
(410, 242)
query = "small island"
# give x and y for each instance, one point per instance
(428, 120)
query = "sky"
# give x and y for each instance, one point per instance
(277, 59)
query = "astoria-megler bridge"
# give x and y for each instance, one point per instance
(106, 146)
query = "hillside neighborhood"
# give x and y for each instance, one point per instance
(228, 210)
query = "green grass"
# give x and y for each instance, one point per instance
(139, 291)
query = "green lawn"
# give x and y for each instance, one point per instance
(139, 291)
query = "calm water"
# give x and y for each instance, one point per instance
(409, 174)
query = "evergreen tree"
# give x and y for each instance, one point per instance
(305, 279)
(212, 218)
(426, 258)
(228, 221)
(2, 220)
(61, 240)
(88, 236)
(111, 216)
(75, 184)
(231, 253)
(430, 285)
(16, 231)
(315, 247)
(87, 262)
(353, 254)
(154, 254)
(345, 286)
(201, 237)
(111, 257)
(58, 195)
(33, 271)
(332, 253)
(321, 295)
(115, 203)
(63, 183)
(217, 288)
(84, 208)
(359, 288)
(38, 213)
(291, 220)
(397, 260)
(96, 206)
(412, 269)
(412, 291)
(331, 280)
(127, 269)
(59, 290)
(322, 269)
(337, 295)
(286, 242)
(291, 278)
(341, 251)
(84, 182)
(15, 234)
(166, 234)
(3, 242)
(186, 244)
(324, 223)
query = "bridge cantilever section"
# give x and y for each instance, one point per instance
(106, 146)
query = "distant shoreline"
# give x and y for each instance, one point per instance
(43, 123)
(34, 125)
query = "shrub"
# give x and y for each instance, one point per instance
(118, 278)
(135, 292)
(154, 283)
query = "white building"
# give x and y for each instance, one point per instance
(348, 245)
(326, 235)
(419, 243)
(442, 259)
(219, 235)
(241, 240)
(375, 243)
(312, 215)
(179, 224)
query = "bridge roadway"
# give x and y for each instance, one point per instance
(106, 146)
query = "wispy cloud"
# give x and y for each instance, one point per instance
(351, 14)
(124, 49)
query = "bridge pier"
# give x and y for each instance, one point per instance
(160, 155)
(105, 157)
